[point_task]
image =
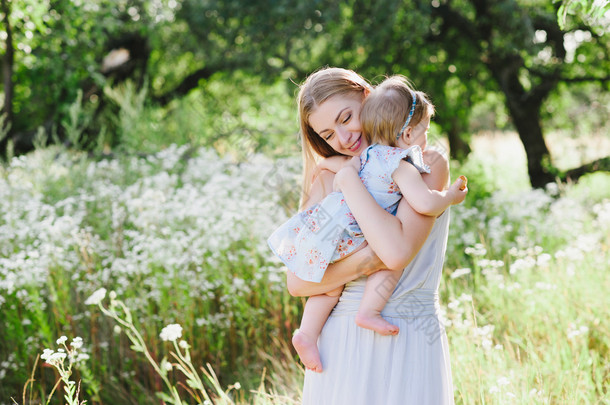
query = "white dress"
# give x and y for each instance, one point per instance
(413, 367)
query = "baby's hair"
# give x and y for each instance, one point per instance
(386, 109)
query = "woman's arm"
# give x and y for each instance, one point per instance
(395, 239)
(321, 187)
(360, 263)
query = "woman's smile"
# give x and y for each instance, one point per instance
(356, 144)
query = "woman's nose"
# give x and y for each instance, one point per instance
(344, 136)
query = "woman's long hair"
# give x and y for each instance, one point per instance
(317, 88)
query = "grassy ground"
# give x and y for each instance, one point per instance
(179, 236)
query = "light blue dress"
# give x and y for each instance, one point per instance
(312, 239)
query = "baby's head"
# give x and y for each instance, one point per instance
(393, 111)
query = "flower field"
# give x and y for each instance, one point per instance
(178, 240)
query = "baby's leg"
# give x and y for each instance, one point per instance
(378, 289)
(305, 340)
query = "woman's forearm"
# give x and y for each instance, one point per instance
(394, 242)
(361, 262)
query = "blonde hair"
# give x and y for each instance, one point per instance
(387, 108)
(317, 88)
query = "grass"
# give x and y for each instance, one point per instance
(179, 235)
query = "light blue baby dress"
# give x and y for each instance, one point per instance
(312, 239)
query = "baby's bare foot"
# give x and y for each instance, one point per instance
(376, 323)
(307, 349)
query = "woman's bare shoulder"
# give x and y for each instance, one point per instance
(438, 177)
(321, 187)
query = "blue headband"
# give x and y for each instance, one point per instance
(413, 96)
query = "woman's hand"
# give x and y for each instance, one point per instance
(362, 262)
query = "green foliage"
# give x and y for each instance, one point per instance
(235, 113)
(578, 111)
(593, 12)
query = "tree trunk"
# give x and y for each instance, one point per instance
(524, 108)
(458, 148)
(527, 121)
(7, 78)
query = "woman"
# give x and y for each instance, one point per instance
(360, 366)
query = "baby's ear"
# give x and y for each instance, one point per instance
(406, 136)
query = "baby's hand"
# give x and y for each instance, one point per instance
(333, 164)
(354, 162)
(459, 189)
(350, 168)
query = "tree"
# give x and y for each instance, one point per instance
(524, 50)
(459, 50)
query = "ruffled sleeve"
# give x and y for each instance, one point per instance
(412, 155)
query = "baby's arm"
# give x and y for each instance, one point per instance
(420, 197)
(395, 239)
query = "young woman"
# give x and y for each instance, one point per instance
(327, 232)
(361, 366)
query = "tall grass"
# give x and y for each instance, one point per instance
(179, 236)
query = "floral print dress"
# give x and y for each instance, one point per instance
(326, 232)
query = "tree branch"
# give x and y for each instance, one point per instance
(599, 165)
(188, 83)
(581, 79)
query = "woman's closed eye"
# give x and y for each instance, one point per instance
(344, 121)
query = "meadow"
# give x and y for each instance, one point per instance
(159, 263)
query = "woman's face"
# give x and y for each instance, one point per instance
(337, 121)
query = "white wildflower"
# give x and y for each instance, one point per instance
(465, 297)
(503, 381)
(62, 340)
(46, 354)
(166, 365)
(460, 272)
(544, 259)
(82, 357)
(77, 343)
(171, 332)
(97, 297)
(575, 331)
(56, 357)
(184, 345)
